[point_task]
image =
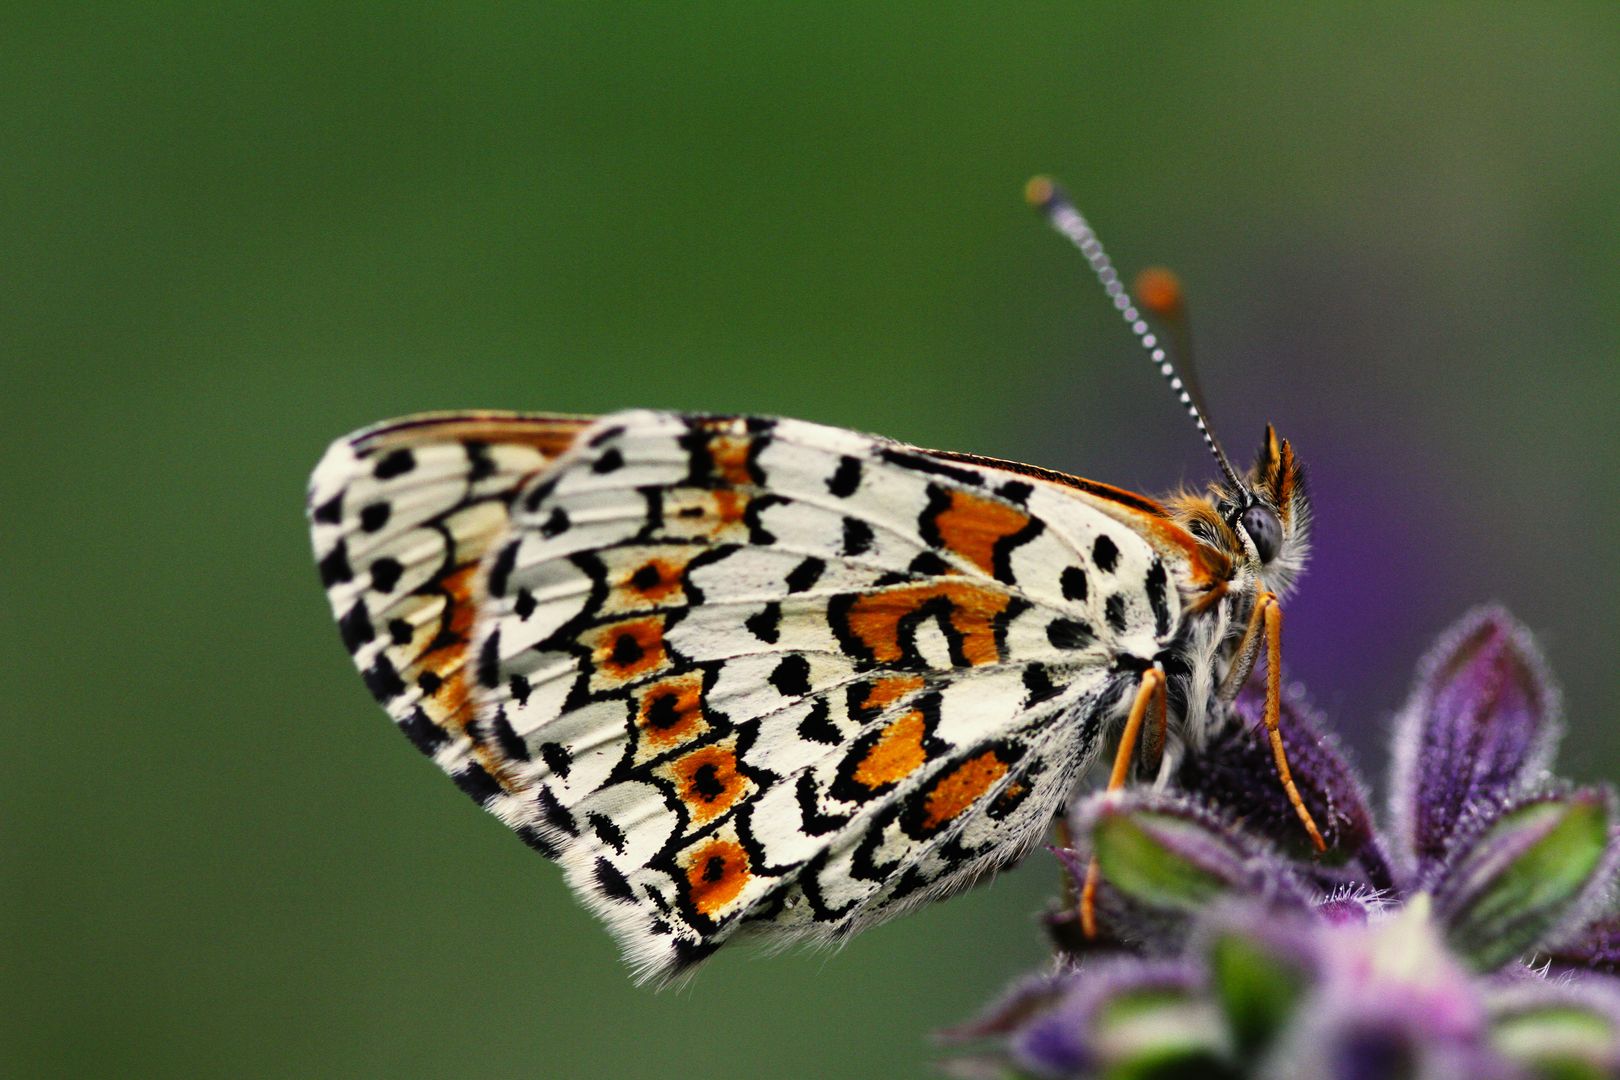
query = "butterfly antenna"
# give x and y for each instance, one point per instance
(1061, 214)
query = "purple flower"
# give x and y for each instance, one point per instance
(1480, 726)
(1230, 949)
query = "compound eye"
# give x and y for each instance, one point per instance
(1265, 530)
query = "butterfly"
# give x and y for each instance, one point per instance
(744, 676)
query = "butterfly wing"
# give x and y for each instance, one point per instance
(748, 674)
(402, 515)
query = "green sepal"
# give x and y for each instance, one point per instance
(1523, 875)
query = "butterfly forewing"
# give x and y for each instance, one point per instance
(743, 671)
(402, 515)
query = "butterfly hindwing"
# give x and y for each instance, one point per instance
(740, 670)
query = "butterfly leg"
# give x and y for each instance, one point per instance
(1265, 627)
(1150, 693)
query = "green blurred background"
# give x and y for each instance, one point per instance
(233, 232)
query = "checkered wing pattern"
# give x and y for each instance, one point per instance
(754, 676)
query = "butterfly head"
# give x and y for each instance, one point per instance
(1261, 523)
(1274, 514)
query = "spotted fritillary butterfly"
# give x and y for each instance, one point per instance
(745, 676)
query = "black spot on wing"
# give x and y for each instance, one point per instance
(612, 883)
(857, 536)
(939, 501)
(792, 676)
(1074, 584)
(1038, 684)
(1157, 579)
(330, 512)
(383, 680)
(335, 569)
(374, 516)
(932, 465)
(1015, 491)
(524, 605)
(805, 575)
(608, 832)
(489, 661)
(511, 744)
(818, 727)
(627, 650)
(385, 574)
(557, 758)
(707, 783)
(928, 564)
(480, 465)
(424, 734)
(662, 713)
(610, 461)
(1105, 553)
(846, 479)
(1114, 610)
(1069, 634)
(501, 569)
(766, 624)
(518, 686)
(475, 783)
(394, 463)
(556, 523)
(356, 628)
(554, 812)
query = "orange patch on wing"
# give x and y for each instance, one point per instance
(458, 586)
(452, 695)
(729, 506)
(654, 580)
(897, 753)
(707, 781)
(730, 456)
(875, 618)
(958, 789)
(700, 512)
(886, 691)
(715, 874)
(671, 711)
(440, 673)
(625, 650)
(972, 526)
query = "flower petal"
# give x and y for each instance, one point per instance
(1173, 858)
(1023, 1000)
(1524, 874)
(1237, 774)
(1261, 967)
(1480, 725)
(1122, 1018)
(1569, 1029)
(1596, 947)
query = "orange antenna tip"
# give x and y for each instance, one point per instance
(1039, 191)
(1159, 291)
